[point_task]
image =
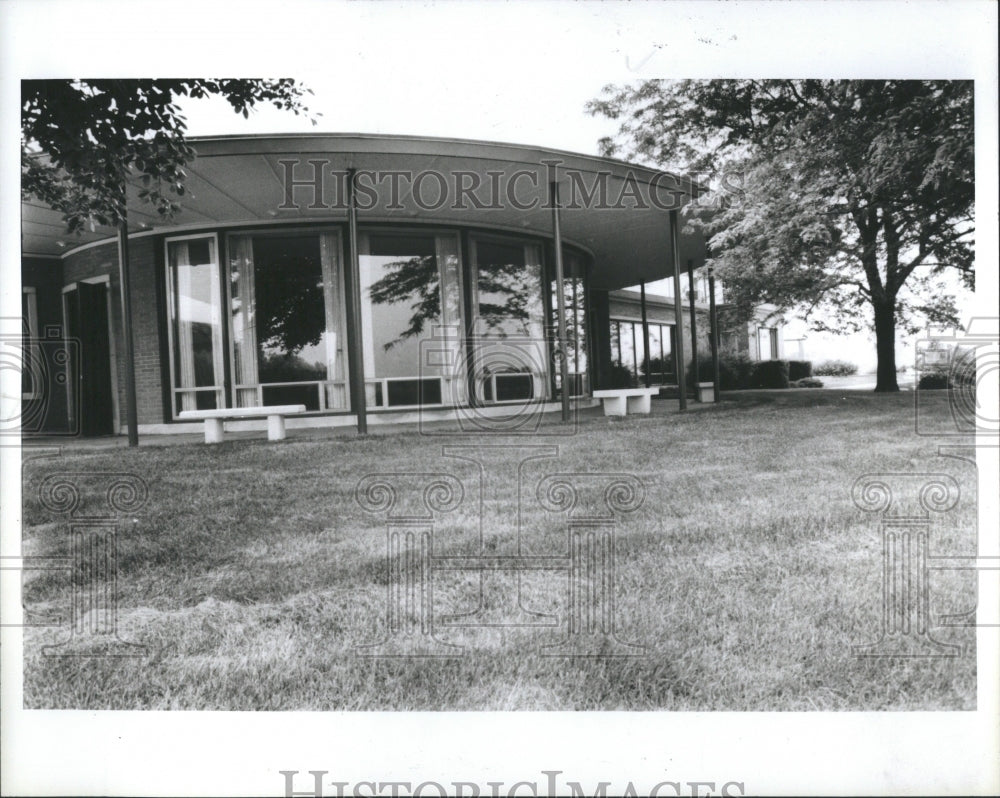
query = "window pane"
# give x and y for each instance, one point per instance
(401, 306)
(290, 312)
(286, 317)
(510, 316)
(628, 347)
(574, 298)
(656, 364)
(196, 320)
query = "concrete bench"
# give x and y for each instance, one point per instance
(619, 401)
(214, 419)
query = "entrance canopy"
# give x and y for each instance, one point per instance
(617, 212)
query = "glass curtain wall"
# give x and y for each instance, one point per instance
(283, 298)
(574, 301)
(286, 311)
(411, 323)
(510, 361)
(628, 351)
(195, 319)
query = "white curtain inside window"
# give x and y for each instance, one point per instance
(337, 395)
(243, 299)
(454, 383)
(536, 321)
(184, 322)
(196, 301)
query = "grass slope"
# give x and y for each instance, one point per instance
(252, 574)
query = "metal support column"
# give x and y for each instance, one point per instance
(713, 333)
(692, 294)
(352, 281)
(125, 284)
(678, 312)
(645, 331)
(560, 300)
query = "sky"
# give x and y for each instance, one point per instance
(521, 73)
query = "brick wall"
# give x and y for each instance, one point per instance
(103, 260)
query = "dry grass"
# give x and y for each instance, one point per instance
(252, 575)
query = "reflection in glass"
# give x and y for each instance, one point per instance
(574, 301)
(285, 303)
(195, 314)
(511, 360)
(627, 353)
(410, 295)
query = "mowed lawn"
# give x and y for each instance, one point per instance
(254, 578)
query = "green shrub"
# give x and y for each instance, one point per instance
(733, 371)
(705, 372)
(621, 377)
(739, 372)
(806, 382)
(936, 380)
(769, 374)
(799, 369)
(835, 368)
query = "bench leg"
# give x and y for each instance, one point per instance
(639, 404)
(213, 430)
(275, 428)
(614, 405)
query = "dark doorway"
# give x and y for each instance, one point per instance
(87, 323)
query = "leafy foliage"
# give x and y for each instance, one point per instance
(769, 374)
(84, 140)
(854, 196)
(799, 369)
(416, 280)
(934, 381)
(835, 368)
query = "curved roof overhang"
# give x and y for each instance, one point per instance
(618, 212)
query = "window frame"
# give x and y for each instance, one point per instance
(365, 232)
(318, 230)
(220, 389)
(545, 380)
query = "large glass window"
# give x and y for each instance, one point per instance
(411, 318)
(195, 317)
(574, 301)
(286, 307)
(628, 351)
(511, 361)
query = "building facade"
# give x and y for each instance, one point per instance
(347, 272)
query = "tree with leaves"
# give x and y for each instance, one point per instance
(84, 141)
(852, 195)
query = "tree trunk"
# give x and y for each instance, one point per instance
(885, 346)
